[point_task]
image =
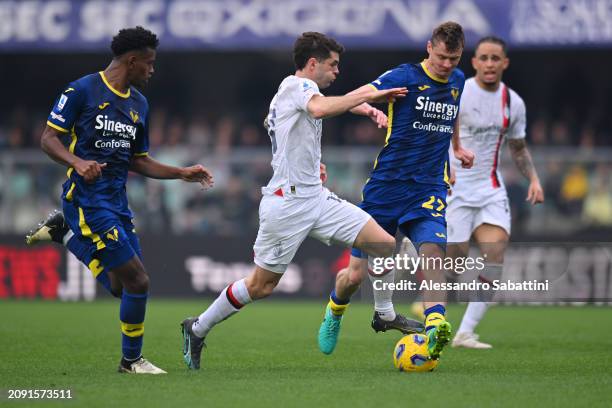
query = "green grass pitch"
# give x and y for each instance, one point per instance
(267, 356)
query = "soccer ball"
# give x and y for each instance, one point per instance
(410, 354)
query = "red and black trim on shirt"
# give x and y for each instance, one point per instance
(500, 139)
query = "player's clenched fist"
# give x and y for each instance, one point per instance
(465, 156)
(90, 170)
(197, 173)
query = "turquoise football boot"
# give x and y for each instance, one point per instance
(439, 337)
(329, 331)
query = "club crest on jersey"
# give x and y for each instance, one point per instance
(113, 234)
(134, 116)
(454, 93)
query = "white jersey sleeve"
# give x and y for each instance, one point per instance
(302, 91)
(518, 117)
(296, 140)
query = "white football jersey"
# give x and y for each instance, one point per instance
(296, 140)
(483, 127)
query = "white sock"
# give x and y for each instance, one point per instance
(229, 301)
(473, 315)
(383, 303)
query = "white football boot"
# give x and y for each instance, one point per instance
(469, 340)
(140, 366)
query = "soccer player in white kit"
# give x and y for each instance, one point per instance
(478, 206)
(295, 205)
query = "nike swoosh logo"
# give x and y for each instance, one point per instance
(424, 87)
(104, 105)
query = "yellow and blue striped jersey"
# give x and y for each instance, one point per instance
(420, 125)
(107, 126)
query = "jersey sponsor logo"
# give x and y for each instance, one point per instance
(103, 106)
(115, 128)
(436, 110)
(57, 117)
(112, 144)
(455, 93)
(432, 127)
(62, 102)
(424, 87)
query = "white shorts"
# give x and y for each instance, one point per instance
(463, 219)
(285, 222)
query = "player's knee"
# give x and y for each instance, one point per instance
(140, 283)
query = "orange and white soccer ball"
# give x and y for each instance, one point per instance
(411, 355)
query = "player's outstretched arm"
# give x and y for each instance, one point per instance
(51, 144)
(151, 168)
(321, 106)
(365, 109)
(522, 159)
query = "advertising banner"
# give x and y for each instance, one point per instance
(193, 266)
(71, 25)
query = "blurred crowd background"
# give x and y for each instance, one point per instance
(208, 107)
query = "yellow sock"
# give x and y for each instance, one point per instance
(433, 320)
(337, 310)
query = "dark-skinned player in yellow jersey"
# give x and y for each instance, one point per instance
(106, 119)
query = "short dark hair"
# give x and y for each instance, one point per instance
(494, 40)
(133, 39)
(451, 34)
(312, 44)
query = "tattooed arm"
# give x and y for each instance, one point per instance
(522, 159)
